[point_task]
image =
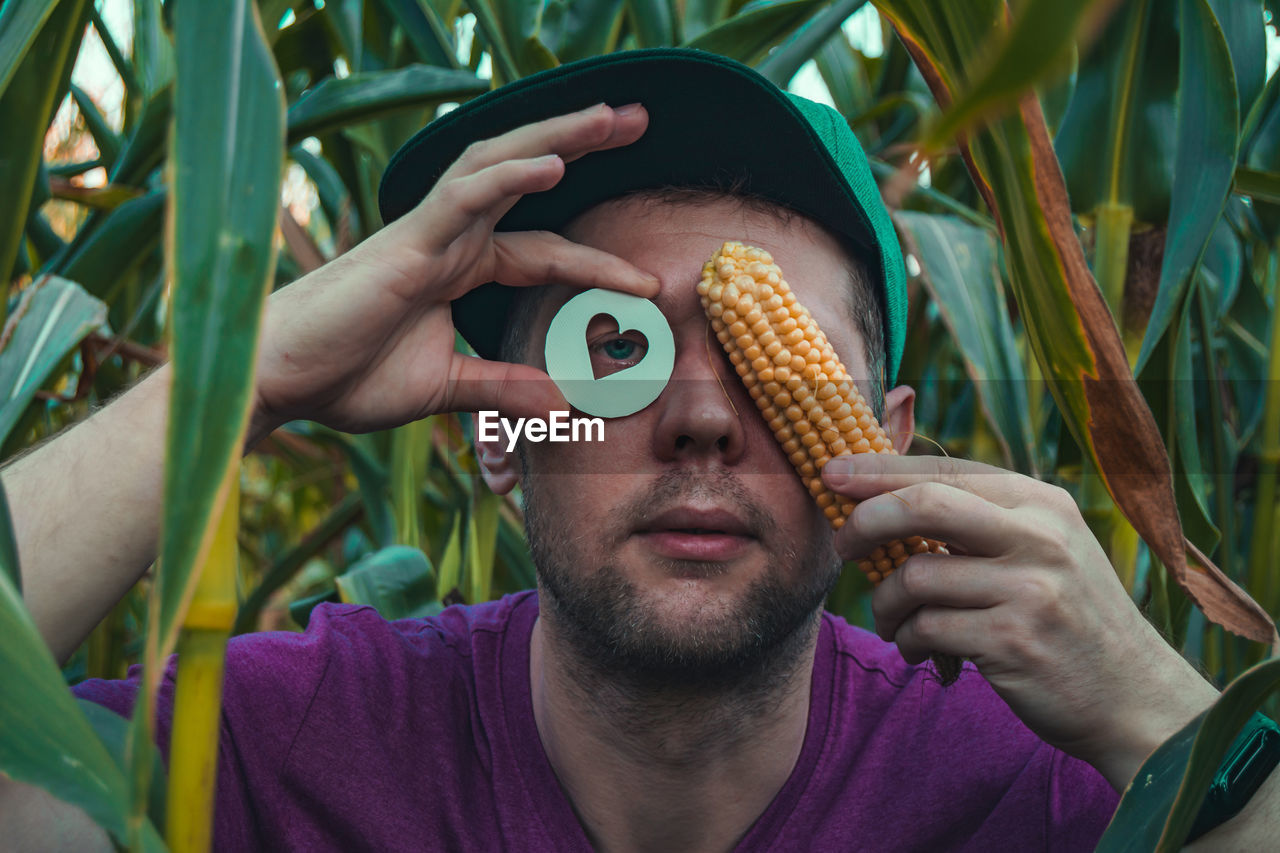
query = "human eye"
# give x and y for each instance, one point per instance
(612, 353)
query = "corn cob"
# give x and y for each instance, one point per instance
(793, 374)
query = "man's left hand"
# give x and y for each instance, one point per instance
(1028, 595)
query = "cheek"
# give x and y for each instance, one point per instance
(623, 451)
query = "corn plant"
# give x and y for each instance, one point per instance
(1088, 193)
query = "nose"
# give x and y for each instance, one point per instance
(701, 410)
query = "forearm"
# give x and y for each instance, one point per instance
(32, 819)
(86, 511)
(1156, 703)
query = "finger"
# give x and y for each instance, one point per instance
(526, 258)
(517, 390)
(457, 204)
(932, 510)
(942, 630)
(946, 580)
(571, 136)
(863, 475)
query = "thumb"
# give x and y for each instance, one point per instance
(513, 389)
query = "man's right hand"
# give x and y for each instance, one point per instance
(366, 342)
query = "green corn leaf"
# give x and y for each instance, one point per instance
(1261, 185)
(45, 242)
(1037, 45)
(226, 160)
(47, 740)
(482, 540)
(702, 15)
(450, 565)
(843, 71)
(107, 140)
(490, 27)
(1241, 24)
(653, 21)
(363, 97)
(347, 20)
(782, 64)
(288, 564)
(513, 552)
(8, 545)
(20, 24)
(960, 268)
(123, 67)
(1160, 804)
(106, 248)
(52, 316)
(113, 731)
(335, 199)
(410, 456)
(748, 35)
(424, 30)
(152, 49)
(371, 476)
(71, 170)
(307, 49)
(521, 23)
(399, 582)
(577, 29)
(145, 147)
(27, 101)
(108, 197)
(1117, 139)
(1190, 482)
(1262, 106)
(1208, 128)
(1070, 328)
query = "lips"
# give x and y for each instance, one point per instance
(709, 534)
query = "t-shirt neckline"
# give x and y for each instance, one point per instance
(538, 776)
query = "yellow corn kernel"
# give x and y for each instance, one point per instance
(800, 386)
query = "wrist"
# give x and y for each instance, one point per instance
(1155, 715)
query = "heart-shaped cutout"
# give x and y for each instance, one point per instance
(611, 349)
(618, 392)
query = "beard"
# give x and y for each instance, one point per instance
(615, 630)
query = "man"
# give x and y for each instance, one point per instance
(673, 685)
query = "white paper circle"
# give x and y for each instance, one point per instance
(569, 361)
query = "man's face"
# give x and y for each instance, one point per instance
(684, 547)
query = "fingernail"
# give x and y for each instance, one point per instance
(838, 469)
(628, 110)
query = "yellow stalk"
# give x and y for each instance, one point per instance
(1113, 223)
(193, 751)
(410, 458)
(1124, 550)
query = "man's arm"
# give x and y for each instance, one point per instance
(86, 511)
(33, 819)
(364, 343)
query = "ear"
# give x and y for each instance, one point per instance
(900, 416)
(499, 468)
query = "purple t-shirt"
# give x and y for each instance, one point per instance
(363, 734)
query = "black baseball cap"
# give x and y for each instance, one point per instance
(712, 122)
